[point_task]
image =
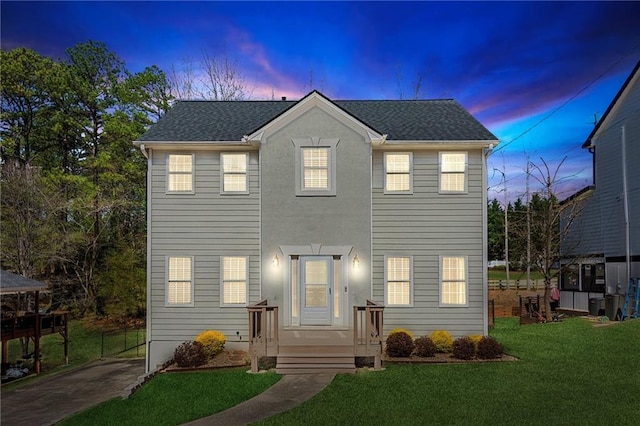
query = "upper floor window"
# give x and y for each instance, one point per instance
(234, 173)
(179, 290)
(398, 280)
(233, 280)
(180, 173)
(453, 172)
(315, 166)
(453, 281)
(398, 169)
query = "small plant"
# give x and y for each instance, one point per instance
(475, 338)
(463, 348)
(212, 341)
(489, 348)
(189, 354)
(401, 330)
(443, 340)
(425, 347)
(399, 345)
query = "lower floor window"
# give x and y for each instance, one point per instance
(398, 280)
(453, 281)
(179, 281)
(233, 280)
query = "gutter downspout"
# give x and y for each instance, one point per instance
(625, 198)
(147, 155)
(485, 254)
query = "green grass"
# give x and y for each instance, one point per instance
(569, 373)
(176, 398)
(498, 274)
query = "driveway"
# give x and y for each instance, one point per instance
(48, 401)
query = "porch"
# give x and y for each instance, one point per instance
(303, 350)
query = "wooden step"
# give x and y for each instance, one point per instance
(315, 359)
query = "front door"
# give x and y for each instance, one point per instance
(315, 290)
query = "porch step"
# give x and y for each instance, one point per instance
(315, 359)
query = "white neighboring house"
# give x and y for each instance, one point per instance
(332, 214)
(606, 236)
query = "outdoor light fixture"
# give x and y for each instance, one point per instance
(356, 262)
(276, 261)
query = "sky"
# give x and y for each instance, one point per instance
(536, 74)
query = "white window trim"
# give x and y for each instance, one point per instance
(193, 175)
(466, 282)
(166, 284)
(316, 142)
(246, 283)
(222, 174)
(384, 164)
(386, 281)
(466, 173)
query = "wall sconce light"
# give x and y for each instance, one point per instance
(276, 261)
(356, 262)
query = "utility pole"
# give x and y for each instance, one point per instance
(528, 228)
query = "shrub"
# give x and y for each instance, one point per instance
(489, 348)
(189, 354)
(425, 347)
(443, 340)
(475, 338)
(212, 341)
(401, 330)
(463, 348)
(399, 344)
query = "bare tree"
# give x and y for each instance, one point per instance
(182, 81)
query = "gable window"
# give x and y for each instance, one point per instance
(233, 281)
(398, 281)
(453, 281)
(234, 173)
(179, 281)
(398, 168)
(180, 173)
(315, 167)
(453, 171)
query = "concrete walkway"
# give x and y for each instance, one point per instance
(289, 392)
(49, 400)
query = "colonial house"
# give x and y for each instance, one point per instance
(306, 230)
(603, 246)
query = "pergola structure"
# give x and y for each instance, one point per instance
(30, 324)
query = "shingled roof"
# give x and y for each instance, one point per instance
(414, 120)
(14, 283)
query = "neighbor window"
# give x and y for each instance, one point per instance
(453, 170)
(398, 168)
(453, 281)
(234, 173)
(316, 166)
(233, 280)
(180, 173)
(179, 281)
(398, 281)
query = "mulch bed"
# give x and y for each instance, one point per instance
(225, 359)
(440, 358)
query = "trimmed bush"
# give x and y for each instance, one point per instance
(463, 348)
(475, 338)
(489, 348)
(399, 345)
(401, 330)
(212, 341)
(443, 340)
(189, 354)
(425, 347)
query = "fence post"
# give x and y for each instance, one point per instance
(125, 339)
(102, 345)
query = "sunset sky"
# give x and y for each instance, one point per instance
(534, 73)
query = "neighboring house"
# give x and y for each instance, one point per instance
(316, 206)
(604, 242)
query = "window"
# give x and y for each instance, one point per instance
(398, 168)
(180, 173)
(179, 281)
(234, 281)
(315, 163)
(234, 173)
(315, 167)
(453, 169)
(399, 281)
(453, 281)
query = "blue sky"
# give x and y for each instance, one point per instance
(539, 68)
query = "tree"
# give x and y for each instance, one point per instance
(495, 230)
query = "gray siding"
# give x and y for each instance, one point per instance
(426, 225)
(205, 225)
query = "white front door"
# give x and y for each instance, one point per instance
(316, 286)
